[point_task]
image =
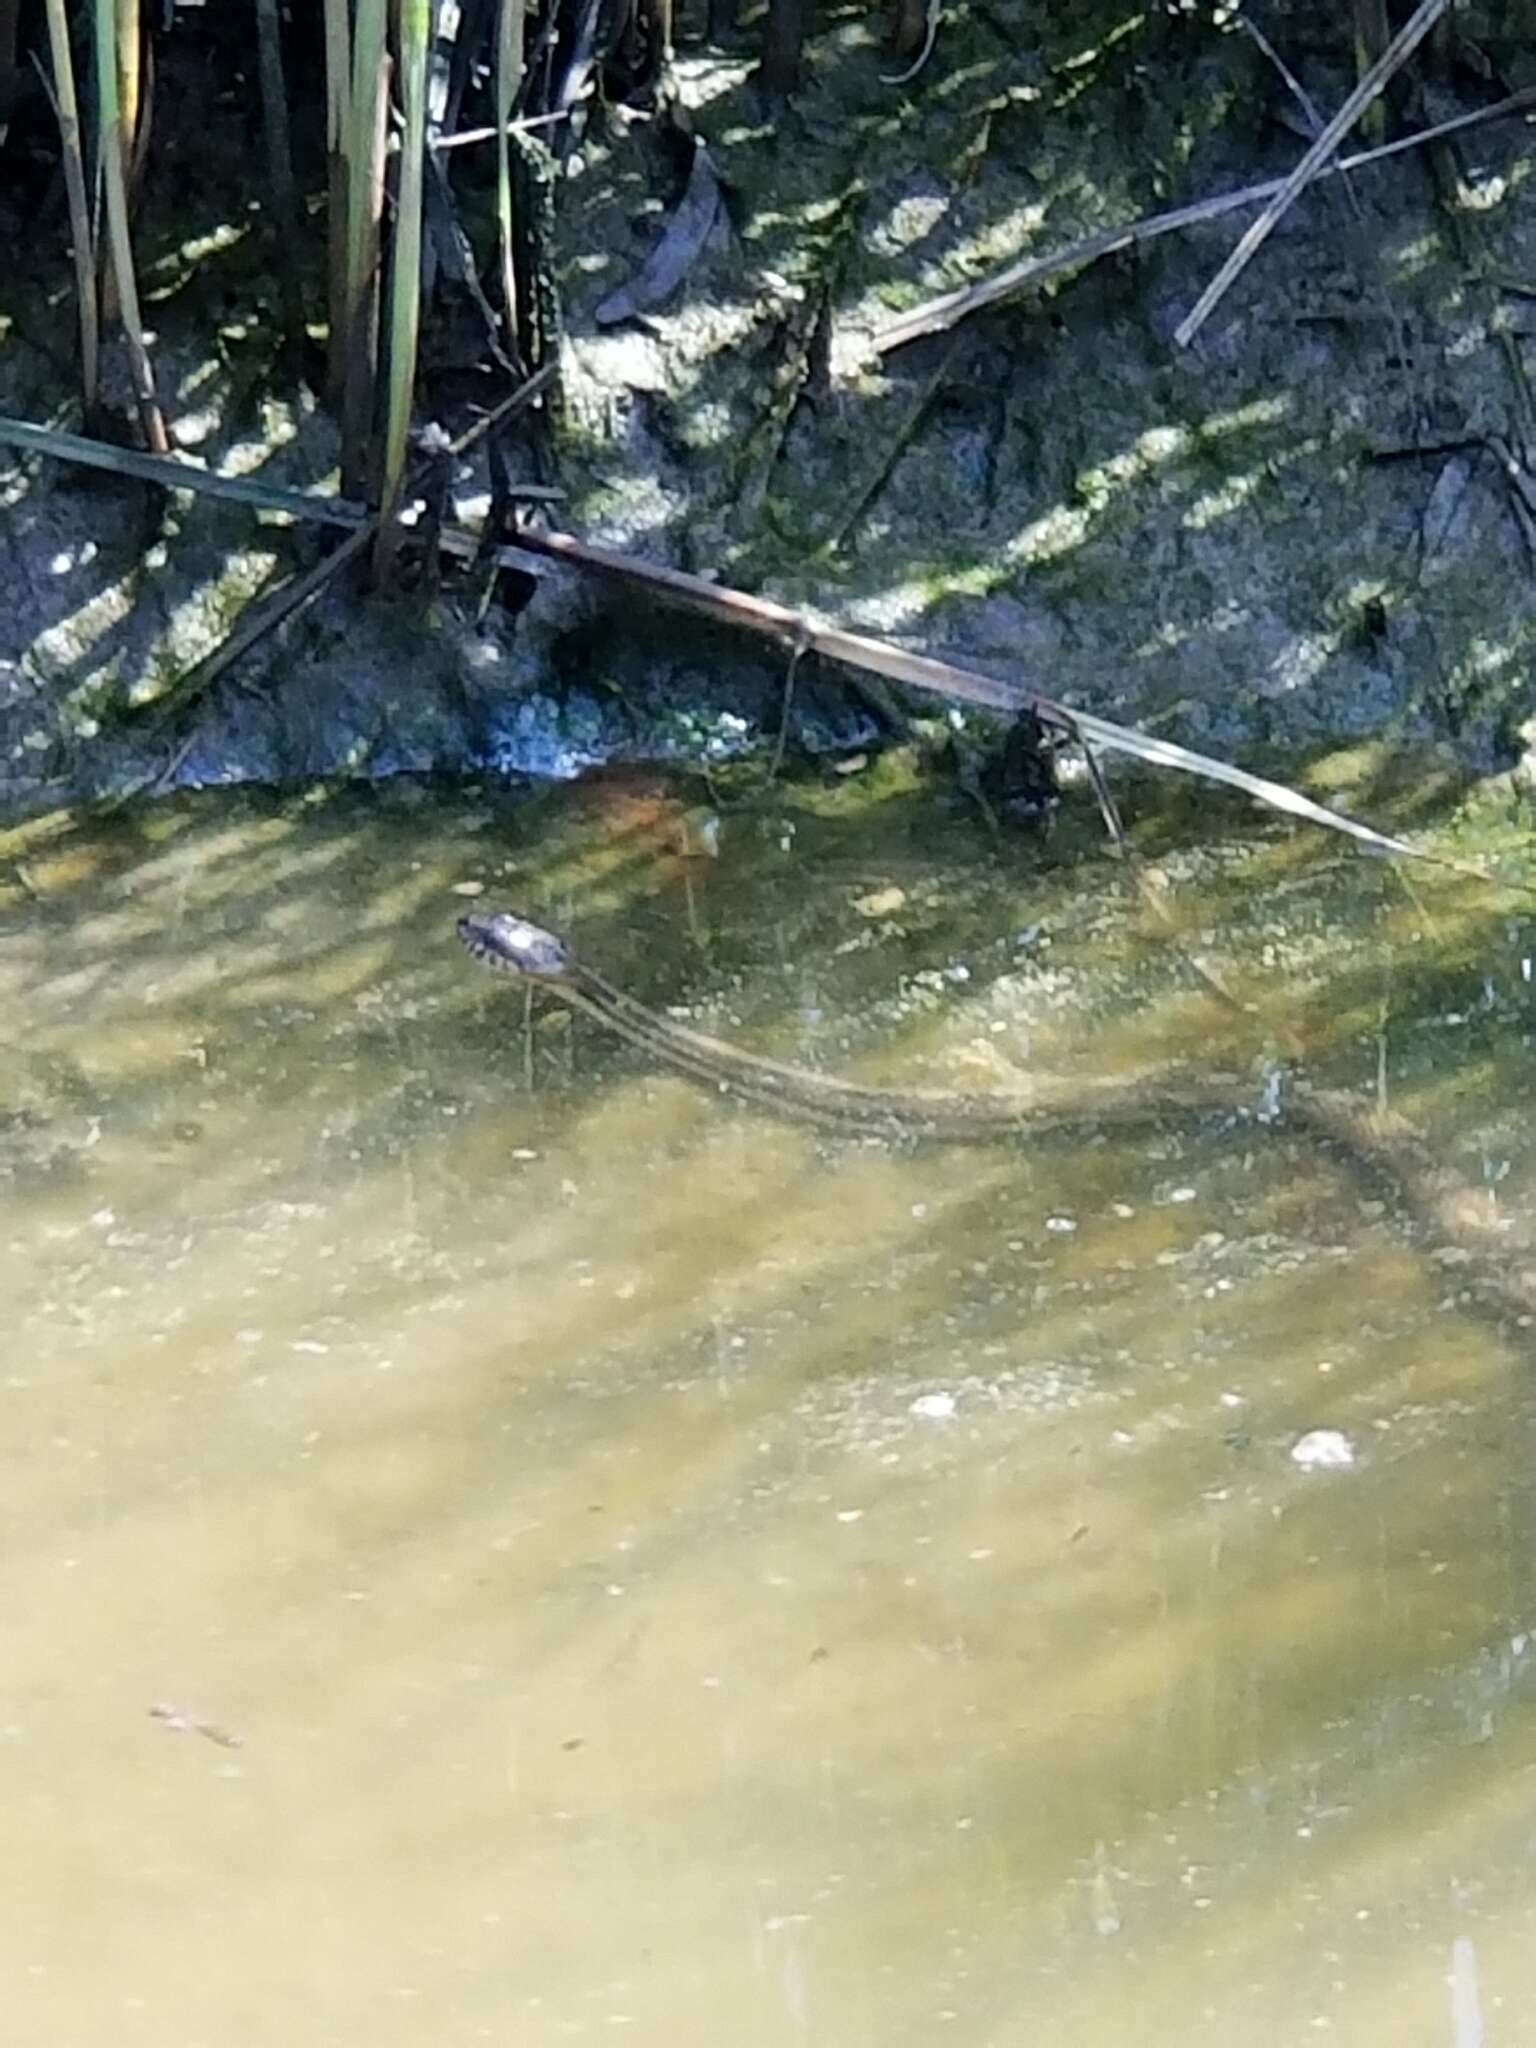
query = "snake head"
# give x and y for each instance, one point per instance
(515, 946)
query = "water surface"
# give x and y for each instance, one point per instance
(499, 1545)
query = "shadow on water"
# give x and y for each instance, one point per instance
(664, 1562)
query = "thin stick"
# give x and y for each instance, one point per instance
(1392, 58)
(1293, 84)
(955, 306)
(891, 454)
(259, 619)
(524, 126)
(1108, 810)
(785, 708)
(176, 473)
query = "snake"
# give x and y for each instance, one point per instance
(1380, 1146)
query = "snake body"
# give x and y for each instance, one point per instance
(1382, 1148)
(513, 946)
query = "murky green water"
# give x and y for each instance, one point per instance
(496, 1545)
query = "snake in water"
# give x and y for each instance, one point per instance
(1381, 1147)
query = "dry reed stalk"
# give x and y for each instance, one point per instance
(285, 200)
(338, 115)
(415, 32)
(509, 80)
(67, 109)
(365, 149)
(114, 157)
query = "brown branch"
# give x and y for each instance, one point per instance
(796, 629)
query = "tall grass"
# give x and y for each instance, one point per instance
(115, 21)
(363, 155)
(82, 235)
(535, 67)
(405, 293)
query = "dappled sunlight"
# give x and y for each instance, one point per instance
(500, 1541)
(864, 1577)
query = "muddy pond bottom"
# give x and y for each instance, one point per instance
(498, 1544)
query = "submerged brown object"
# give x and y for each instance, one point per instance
(1380, 1147)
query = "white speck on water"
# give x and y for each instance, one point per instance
(1062, 1225)
(850, 1514)
(919, 1210)
(933, 1407)
(1121, 1209)
(524, 1152)
(1182, 1195)
(1323, 1450)
(469, 888)
(104, 1219)
(309, 1344)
